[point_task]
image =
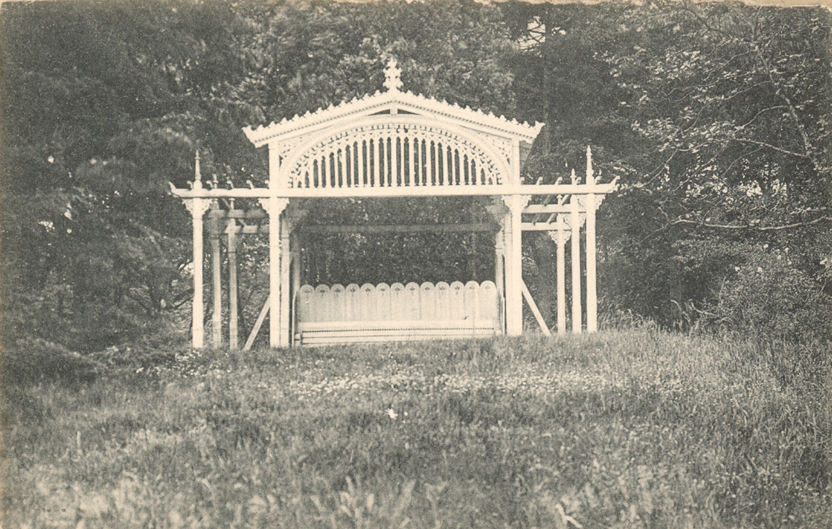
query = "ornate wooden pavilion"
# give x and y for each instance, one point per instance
(394, 144)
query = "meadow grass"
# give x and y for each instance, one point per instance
(625, 428)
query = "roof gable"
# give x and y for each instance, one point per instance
(393, 101)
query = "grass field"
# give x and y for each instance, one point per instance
(633, 428)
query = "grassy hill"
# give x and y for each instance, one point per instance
(633, 428)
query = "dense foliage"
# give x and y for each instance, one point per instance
(714, 116)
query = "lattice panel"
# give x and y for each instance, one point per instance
(394, 155)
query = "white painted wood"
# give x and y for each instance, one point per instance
(591, 288)
(337, 303)
(257, 324)
(412, 310)
(488, 307)
(197, 208)
(367, 306)
(471, 301)
(352, 306)
(575, 223)
(216, 291)
(233, 309)
(275, 207)
(198, 307)
(323, 304)
(376, 163)
(411, 154)
(561, 275)
(382, 303)
(407, 191)
(274, 164)
(429, 149)
(285, 275)
(296, 279)
(443, 153)
(427, 300)
(306, 304)
(514, 264)
(442, 307)
(398, 301)
(398, 312)
(395, 173)
(532, 305)
(456, 301)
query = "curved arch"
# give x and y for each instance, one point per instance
(394, 151)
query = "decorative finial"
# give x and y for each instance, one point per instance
(574, 177)
(392, 77)
(590, 179)
(197, 175)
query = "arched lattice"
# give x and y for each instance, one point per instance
(394, 155)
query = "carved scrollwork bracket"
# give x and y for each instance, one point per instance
(274, 206)
(197, 206)
(516, 203)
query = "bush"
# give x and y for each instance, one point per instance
(35, 360)
(771, 299)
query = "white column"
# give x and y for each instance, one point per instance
(499, 271)
(514, 264)
(591, 292)
(560, 238)
(575, 223)
(216, 273)
(198, 207)
(285, 290)
(296, 279)
(274, 206)
(498, 212)
(233, 310)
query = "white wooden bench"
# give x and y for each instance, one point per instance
(382, 313)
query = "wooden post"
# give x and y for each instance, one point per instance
(296, 280)
(285, 261)
(575, 222)
(216, 273)
(233, 310)
(514, 264)
(591, 292)
(499, 272)
(274, 206)
(198, 207)
(561, 274)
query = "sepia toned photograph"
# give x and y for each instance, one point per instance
(415, 264)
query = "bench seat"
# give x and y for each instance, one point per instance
(346, 332)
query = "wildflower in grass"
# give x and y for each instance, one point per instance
(392, 413)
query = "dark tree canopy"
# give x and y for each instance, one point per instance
(714, 116)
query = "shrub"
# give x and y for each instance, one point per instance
(771, 299)
(36, 360)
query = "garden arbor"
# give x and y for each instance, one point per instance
(394, 144)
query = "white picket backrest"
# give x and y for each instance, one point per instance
(397, 302)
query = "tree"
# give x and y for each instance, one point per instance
(734, 102)
(99, 113)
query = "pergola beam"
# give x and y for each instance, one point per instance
(400, 191)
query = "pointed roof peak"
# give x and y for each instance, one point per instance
(393, 97)
(392, 76)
